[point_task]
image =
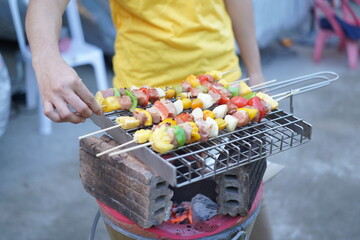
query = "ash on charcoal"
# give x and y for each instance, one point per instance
(202, 208)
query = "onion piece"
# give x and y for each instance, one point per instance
(214, 127)
(197, 113)
(231, 123)
(207, 100)
(160, 92)
(178, 104)
(220, 111)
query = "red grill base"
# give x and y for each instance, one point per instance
(166, 230)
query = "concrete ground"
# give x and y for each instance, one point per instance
(316, 197)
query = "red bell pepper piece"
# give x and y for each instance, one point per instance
(146, 92)
(224, 99)
(239, 101)
(163, 111)
(203, 78)
(183, 117)
(256, 102)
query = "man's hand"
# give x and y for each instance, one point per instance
(62, 89)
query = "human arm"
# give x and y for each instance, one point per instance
(242, 17)
(59, 84)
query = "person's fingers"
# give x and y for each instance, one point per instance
(49, 111)
(65, 113)
(88, 98)
(79, 106)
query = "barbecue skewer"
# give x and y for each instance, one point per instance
(229, 71)
(100, 131)
(130, 149)
(192, 88)
(262, 84)
(240, 80)
(112, 127)
(114, 148)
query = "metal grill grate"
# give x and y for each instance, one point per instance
(277, 132)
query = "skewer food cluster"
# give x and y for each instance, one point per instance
(203, 88)
(204, 92)
(231, 107)
(200, 125)
(165, 111)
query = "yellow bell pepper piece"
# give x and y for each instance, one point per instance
(195, 136)
(208, 113)
(274, 104)
(192, 80)
(250, 111)
(127, 122)
(170, 93)
(169, 121)
(110, 104)
(182, 95)
(186, 103)
(142, 135)
(224, 83)
(161, 141)
(221, 123)
(215, 74)
(244, 89)
(99, 98)
(148, 122)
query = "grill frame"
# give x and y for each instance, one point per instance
(277, 132)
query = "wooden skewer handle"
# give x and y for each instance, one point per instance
(130, 149)
(100, 131)
(262, 84)
(114, 148)
(230, 71)
(279, 94)
(240, 80)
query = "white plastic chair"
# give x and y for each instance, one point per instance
(78, 53)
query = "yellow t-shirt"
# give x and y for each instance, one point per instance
(160, 42)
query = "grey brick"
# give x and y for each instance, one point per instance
(124, 183)
(233, 192)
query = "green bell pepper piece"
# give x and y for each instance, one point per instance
(116, 92)
(202, 88)
(250, 95)
(134, 100)
(235, 91)
(179, 135)
(178, 89)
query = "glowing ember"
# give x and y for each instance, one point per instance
(201, 208)
(181, 214)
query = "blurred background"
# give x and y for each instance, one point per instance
(315, 197)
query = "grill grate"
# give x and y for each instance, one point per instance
(278, 132)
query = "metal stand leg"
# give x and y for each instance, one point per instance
(94, 224)
(240, 236)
